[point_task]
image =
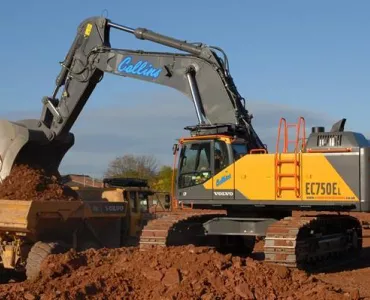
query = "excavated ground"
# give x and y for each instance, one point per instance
(25, 183)
(183, 272)
(186, 272)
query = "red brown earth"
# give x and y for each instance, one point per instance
(25, 183)
(186, 273)
(175, 273)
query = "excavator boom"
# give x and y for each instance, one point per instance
(199, 73)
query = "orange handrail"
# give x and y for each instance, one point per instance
(263, 151)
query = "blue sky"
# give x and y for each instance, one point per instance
(288, 58)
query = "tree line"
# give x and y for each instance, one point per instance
(142, 166)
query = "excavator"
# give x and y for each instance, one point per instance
(229, 188)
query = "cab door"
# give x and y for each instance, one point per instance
(223, 170)
(194, 179)
(135, 214)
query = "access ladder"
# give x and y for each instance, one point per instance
(299, 143)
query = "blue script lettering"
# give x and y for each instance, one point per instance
(223, 179)
(142, 68)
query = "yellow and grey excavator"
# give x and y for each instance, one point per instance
(235, 188)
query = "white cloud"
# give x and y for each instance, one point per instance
(151, 126)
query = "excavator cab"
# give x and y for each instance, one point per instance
(205, 162)
(206, 166)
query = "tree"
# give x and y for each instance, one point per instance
(142, 166)
(163, 181)
(129, 165)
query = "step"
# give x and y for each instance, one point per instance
(287, 175)
(288, 161)
(287, 188)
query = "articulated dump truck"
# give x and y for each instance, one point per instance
(103, 217)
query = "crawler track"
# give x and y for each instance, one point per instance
(177, 228)
(313, 242)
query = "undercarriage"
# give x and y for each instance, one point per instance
(308, 242)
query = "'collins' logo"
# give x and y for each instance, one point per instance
(142, 68)
(223, 179)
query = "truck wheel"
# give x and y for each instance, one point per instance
(36, 256)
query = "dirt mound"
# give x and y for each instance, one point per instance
(174, 273)
(25, 183)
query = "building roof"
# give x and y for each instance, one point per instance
(81, 180)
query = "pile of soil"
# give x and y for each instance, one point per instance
(26, 183)
(175, 273)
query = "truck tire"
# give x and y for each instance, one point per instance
(36, 256)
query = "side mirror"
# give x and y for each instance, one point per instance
(175, 148)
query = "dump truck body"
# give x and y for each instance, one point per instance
(104, 217)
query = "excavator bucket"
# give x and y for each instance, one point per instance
(22, 142)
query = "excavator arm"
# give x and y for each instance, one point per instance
(199, 73)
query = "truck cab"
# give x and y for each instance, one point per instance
(142, 201)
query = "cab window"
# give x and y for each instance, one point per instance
(239, 150)
(144, 202)
(195, 164)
